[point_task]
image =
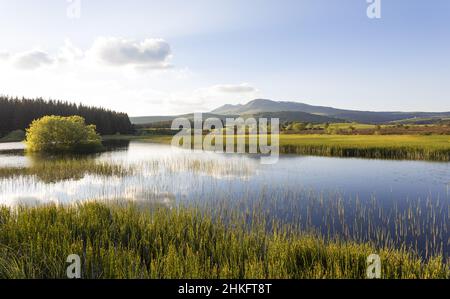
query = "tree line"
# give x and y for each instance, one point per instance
(17, 114)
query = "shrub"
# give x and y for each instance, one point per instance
(62, 134)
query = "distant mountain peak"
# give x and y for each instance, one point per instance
(260, 101)
(263, 105)
(229, 106)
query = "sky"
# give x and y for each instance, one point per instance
(148, 57)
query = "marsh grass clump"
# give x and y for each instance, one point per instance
(203, 166)
(55, 170)
(395, 147)
(370, 152)
(129, 242)
(429, 148)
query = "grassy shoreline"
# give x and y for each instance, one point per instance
(398, 147)
(15, 136)
(403, 147)
(128, 242)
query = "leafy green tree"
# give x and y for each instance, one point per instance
(62, 134)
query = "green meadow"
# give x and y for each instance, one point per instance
(411, 147)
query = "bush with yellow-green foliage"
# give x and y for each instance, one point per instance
(62, 134)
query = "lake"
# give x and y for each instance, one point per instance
(383, 201)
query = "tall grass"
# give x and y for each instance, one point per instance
(433, 148)
(48, 170)
(417, 225)
(130, 242)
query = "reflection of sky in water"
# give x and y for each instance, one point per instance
(187, 175)
(11, 146)
(11, 155)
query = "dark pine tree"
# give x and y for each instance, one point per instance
(17, 114)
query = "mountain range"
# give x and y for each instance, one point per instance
(295, 111)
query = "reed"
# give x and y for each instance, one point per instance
(54, 170)
(403, 147)
(127, 241)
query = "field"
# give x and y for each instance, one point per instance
(414, 147)
(129, 241)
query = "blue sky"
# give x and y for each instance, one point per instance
(173, 56)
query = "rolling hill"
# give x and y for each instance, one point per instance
(146, 120)
(284, 116)
(298, 116)
(262, 105)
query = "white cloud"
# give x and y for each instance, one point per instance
(116, 82)
(142, 55)
(146, 54)
(240, 88)
(31, 60)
